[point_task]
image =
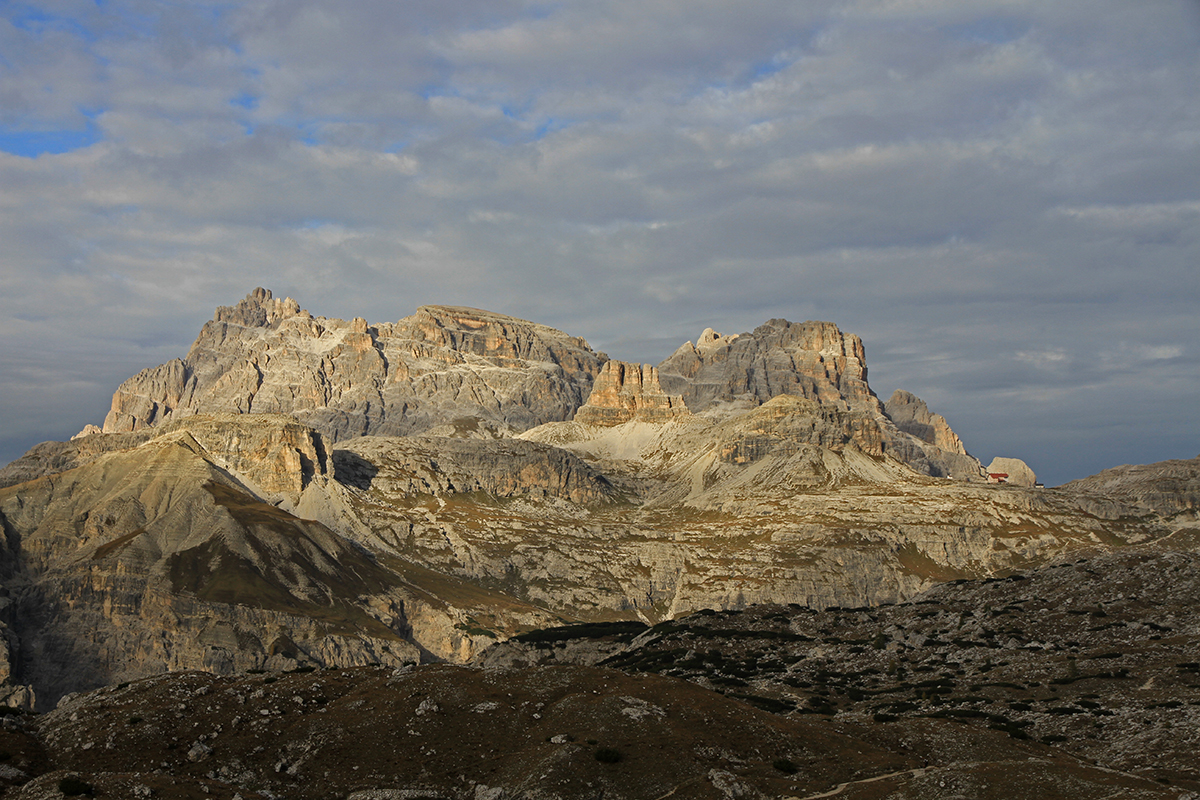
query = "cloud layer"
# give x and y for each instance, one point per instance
(1001, 197)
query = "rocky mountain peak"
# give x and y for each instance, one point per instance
(352, 378)
(711, 340)
(814, 360)
(445, 363)
(259, 309)
(912, 415)
(625, 391)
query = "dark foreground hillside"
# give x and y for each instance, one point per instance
(1076, 681)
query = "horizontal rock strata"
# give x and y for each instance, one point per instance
(350, 378)
(626, 391)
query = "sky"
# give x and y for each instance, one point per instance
(1000, 197)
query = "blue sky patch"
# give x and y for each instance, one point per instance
(32, 144)
(245, 100)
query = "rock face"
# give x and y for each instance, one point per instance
(626, 391)
(947, 457)
(173, 555)
(445, 365)
(501, 468)
(912, 416)
(813, 360)
(817, 362)
(1169, 487)
(348, 379)
(1015, 471)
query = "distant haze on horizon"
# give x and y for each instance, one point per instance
(1001, 198)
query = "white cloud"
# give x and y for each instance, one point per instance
(1043, 359)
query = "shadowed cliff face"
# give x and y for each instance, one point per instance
(169, 556)
(1062, 683)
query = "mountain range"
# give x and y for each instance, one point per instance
(302, 493)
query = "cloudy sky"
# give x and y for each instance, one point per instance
(1001, 197)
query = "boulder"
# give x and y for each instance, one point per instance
(1012, 471)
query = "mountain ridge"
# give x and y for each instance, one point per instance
(352, 378)
(511, 478)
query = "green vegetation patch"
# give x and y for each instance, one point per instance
(74, 787)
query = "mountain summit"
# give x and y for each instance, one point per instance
(353, 378)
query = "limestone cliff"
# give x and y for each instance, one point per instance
(351, 378)
(813, 360)
(167, 555)
(502, 468)
(817, 362)
(938, 450)
(626, 391)
(912, 415)
(479, 371)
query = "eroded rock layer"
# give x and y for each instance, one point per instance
(626, 391)
(169, 556)
(349, 378)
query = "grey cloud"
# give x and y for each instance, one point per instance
(999, 197)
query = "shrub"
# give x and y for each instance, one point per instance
(785, 766)
(73, 787)
(607, 755)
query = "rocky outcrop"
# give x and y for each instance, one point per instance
(934, 448)
(157, 558)
(1012, 471)
(502, 468)
(912, 415)
(813, 360)
(177, 553)
(1169, 487)
(817, 362)
(272, 453)
(626, 391)
(785, 424)
(351, 378)
(49, 458)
